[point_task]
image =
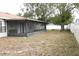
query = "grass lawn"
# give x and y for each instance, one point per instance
(42, 44)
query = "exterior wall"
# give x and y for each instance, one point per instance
(4, 23)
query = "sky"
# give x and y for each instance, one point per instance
(14, 6)
(11, 6)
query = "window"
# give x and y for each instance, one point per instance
(2, 28)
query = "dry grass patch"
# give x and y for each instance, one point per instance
(45, 43)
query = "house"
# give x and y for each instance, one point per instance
(12, 25)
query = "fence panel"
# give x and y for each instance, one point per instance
(74, 28)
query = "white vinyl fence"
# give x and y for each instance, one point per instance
(74, 28)
(55, 27)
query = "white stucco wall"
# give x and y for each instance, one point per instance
(3, 34)
(57, 27)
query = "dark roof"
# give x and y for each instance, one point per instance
(9, 17)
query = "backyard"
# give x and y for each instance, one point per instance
(48, 43)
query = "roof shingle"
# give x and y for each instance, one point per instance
(9, 16)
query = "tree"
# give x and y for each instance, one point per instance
(39, 11)
(43, 11)
(19, 14)
(76, 5)
(61, 19)
(64, 16)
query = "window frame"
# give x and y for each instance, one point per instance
(2, 28)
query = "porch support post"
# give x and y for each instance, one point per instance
(26, 35)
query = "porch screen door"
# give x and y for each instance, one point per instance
(22, 28)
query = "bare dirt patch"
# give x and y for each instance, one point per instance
(43, 44)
